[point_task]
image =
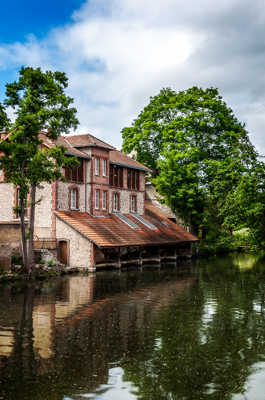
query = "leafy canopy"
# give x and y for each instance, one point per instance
(197, 149)
(40, 104)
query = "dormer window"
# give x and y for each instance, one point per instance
(96, 166)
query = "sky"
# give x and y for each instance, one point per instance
(118, 53)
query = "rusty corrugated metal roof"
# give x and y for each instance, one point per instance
(110, 231)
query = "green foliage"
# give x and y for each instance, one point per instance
(16, 259)
(199, 153)
(40, 105)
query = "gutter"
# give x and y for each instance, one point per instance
(130, 166)
(77, 155)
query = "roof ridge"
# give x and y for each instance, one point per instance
(94, 137)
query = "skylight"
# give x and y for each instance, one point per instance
(126, 220)
(143, 221)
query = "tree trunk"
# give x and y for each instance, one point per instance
(22, 202)
(31, 226)
(23, 236)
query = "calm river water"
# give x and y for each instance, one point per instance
(188, 333)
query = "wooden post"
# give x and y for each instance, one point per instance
(119, 258)
(141, 258)
(176, 256)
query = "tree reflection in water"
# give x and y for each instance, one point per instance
(199, 334)
(208, 343)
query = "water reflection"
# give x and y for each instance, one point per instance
(167, 334)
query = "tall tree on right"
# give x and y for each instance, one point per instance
(198, 151)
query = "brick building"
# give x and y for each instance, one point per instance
(100, 215)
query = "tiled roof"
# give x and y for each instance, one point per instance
(110, 231)
(119, 158)
(62, 141)
(87, 141)
(116, 157)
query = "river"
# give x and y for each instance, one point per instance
(194, 332)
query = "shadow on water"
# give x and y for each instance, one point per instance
(192, 333)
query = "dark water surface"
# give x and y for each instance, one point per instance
(193, 332)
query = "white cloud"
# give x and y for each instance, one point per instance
(119, 53)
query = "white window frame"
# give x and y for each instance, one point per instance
(97, 198)
(133, 204)
(116, 200)
(104, 167)
(104, 200)
(97, 162)
(73, 199)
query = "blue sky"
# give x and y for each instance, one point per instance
(118, 53)
(19, 18)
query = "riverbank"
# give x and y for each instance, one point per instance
(224, 243)
(39, 272)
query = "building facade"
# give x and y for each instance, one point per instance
(99, 215)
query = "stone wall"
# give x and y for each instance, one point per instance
(125, 200)
(63, 195)
(79, 249)
(9, 243)
(6, 201)
(43, 213)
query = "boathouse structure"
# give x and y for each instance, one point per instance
(100, 215)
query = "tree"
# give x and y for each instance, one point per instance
(245, 206)
(40, 104)
(188, 138)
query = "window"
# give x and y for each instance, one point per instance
(133, 179)
(116, 176)
(104, 200)
(75, 174)
(97, 199)
(116, 202)
(104, 167)
(73, 199)
(133, 204)
(96, 166)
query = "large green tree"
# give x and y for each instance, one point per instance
(40, 104)
(197, 149)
